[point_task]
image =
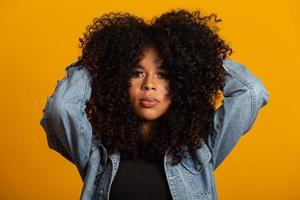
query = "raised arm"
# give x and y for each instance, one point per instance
(64, 119)
(244, 95)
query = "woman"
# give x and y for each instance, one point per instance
(137, 112)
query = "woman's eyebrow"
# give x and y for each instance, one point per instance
(157, 62)
(139, 66)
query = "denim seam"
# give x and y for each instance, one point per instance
(82, 101)
(48, 120)
(250, 85)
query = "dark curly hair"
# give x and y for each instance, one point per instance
(192, 53)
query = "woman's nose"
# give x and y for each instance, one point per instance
(149, 84)
(148, 87)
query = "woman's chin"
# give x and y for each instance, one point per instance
(148, 117)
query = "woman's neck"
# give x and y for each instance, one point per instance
(146, 129)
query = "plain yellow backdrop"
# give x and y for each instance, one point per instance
(40, 38)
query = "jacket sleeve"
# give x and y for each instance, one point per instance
(64, 119)
(244, 95)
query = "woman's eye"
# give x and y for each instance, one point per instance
(136, 74)
(139, 74)
(163, 75)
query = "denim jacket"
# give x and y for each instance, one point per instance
(69, 132)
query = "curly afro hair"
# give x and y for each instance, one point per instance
(192, 53)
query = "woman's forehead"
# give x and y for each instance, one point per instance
(141, 66)
(150, 55)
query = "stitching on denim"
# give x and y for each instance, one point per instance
(82, 125)
(250, 85)
(52, 98)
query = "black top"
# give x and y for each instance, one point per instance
(137, 178)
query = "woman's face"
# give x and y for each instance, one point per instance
(148, 89)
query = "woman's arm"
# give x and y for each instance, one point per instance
(244, 95)
(64, 119)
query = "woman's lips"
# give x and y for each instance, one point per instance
(148, 102)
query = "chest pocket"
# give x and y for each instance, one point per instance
(198, 164)
(198, 173)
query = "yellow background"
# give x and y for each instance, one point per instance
(39, 38)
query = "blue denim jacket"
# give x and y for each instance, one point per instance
(69, 132)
